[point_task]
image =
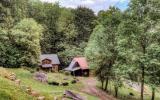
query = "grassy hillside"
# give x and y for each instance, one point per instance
(9, 91)
(47, 90)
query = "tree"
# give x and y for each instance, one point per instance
(69, 48)
(153, 69)
(153, 57)
(27, 39)
(141, 13)
(20, 46)
(84, 23)
(3, 46)
(66, 25)
(19, 9)
(6, 20)
(47, 14)
(96, 51)
(12, 11)
(102, 44)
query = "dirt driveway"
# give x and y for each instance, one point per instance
(91, 89)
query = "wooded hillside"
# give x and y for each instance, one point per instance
(119, 45)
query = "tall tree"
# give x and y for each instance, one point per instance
(141, 12)
(6, 20)
(103, 42)
(153, 69)
(84, 22)
(96, 52)
(3, 46)
(153, 57)
(19, 9)
(20, 46)
(47, 14)
(66, 27)
(12, 11)
(26, 39)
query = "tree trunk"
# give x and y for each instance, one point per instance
(142, 83)
(102, 82)
(142, 80)
(106, 86)
(153, 93)
(116, 91)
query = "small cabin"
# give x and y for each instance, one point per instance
(49, 62)
(78, 67)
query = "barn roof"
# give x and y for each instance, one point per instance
(53, 57)
(81, 61)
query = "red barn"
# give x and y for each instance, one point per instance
(78, 67)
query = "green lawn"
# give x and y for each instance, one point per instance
(50, 91)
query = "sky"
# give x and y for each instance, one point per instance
(95, 5)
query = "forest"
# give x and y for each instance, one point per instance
(119, 45)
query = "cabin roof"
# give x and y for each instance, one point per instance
(53, 57)
(82, 64)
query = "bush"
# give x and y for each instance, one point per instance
(53, 83)
(67, 73)
(73, 81)
(61, 71)
(131, 94)
(65, 84)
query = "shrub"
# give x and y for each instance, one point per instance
(67, 73)
(53, 83)
(61, 71)
(73, 81)
(65, 84)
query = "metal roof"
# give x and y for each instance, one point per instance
(81, 61)
(53, 57)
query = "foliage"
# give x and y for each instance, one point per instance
(21, 45)
(118, 45)
(63, 28)
(84, 22)
(141, 11)
(47, 14)
(6, 20)
(129, 38)
(94, 52)
(102, 50)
